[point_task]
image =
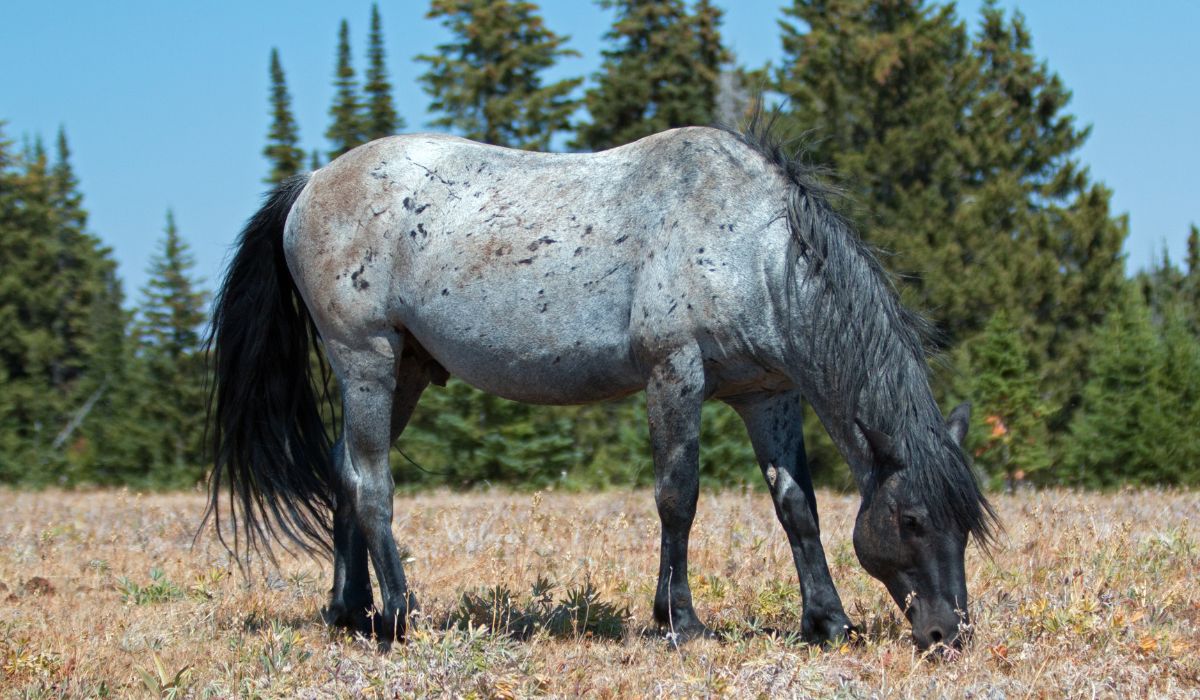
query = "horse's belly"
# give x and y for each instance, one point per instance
(536, 351)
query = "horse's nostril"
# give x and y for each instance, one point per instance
(935, 635)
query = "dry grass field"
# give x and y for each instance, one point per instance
(103, 594)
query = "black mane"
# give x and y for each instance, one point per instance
(872, 351)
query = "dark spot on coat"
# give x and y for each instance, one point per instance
(408, 204)
(445, 292)
(621, 240)
(544, 240)
(579, 251)
(420, 209)
(359, 283)
(525, 261)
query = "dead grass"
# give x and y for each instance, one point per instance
(102, 594)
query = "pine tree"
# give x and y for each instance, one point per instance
(381, 118)
(1193, 251)
(487, 81)
(1010, 436)
(347, 129)
(1119, 431)
(1192, 280)
(465, 438)
(1179, 452)
(1065, 261)
(963, 156)
(60, 301)
(14, 250)
(282, 150)
(168, 336)
(662, 72)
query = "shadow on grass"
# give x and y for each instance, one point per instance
(500, 611)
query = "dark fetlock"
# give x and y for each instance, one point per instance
(681, 624)
(392, 626)
(831, 628)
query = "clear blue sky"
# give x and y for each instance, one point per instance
(165, 103)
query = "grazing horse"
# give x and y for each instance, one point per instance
(694, 264)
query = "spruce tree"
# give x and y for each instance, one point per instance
(1193, 251)
(1009, 436)
(380, 119)
(963, 161)
(1179, 452)
(347, 130)
(487, 81)
(1192, 280)
(171, 314)
(661, 72)
(1120, 429)
(465, 438)
(14, 250)
(60, 302)
(282, 150)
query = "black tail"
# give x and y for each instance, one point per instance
(268, 440)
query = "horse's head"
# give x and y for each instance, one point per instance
(905, 537)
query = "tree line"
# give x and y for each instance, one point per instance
(954, 147)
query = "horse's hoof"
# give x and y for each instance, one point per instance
(680, 635)
(834, 630)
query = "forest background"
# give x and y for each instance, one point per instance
(954, 142)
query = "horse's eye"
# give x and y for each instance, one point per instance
(911, 525)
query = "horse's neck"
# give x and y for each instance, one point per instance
(854, 368)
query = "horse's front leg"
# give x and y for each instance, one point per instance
(775, 425)
(673, 397)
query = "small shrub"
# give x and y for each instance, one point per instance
(581, 613)
(159, 590)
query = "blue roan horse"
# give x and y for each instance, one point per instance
(693, 264)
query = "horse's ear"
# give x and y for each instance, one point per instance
(881, 443)
(959, 421)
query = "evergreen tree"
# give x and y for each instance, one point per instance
(60, 303)
(662, 72)
(347, 129)
(1010, 436)
(1193, 251)
(381, 118)
(1065, 262)
(14, 249)
(282, 149)
(170, 346)
(466, 438)
(1120, 429)
(964, 157)
(487, 81)
(1179, 453)
(1191, 292)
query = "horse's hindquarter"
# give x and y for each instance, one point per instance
(537, 277)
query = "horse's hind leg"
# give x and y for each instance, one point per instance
(350, 600)
(367, 370)
(351, 605)
(776, 431)
(673, 398)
